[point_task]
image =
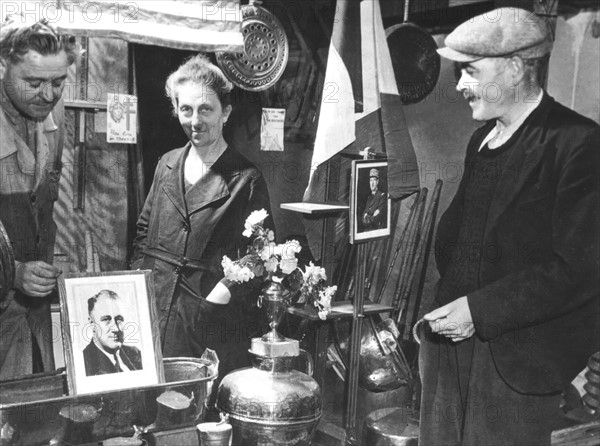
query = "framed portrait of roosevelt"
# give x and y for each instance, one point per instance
(109, 331)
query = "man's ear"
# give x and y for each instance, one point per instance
(517, 69)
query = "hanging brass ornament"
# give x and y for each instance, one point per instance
(265, 55)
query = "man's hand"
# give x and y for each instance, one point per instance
(36, 279)
(452, 320)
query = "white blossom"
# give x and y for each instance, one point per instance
(288, 265)
(290, 249)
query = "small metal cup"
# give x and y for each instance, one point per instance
(214, 434)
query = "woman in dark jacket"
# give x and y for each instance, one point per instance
(193, 216)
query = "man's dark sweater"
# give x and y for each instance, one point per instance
(462, 276)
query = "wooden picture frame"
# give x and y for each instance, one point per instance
(116, 344)
(370, 211)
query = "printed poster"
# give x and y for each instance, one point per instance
(121, 119)
(271, 130)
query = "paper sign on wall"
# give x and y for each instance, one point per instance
(271, 130)
(121, 122)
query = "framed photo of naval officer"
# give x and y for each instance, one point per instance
(370, 205)
(109, 331)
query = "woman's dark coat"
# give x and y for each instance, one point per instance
(183, 236)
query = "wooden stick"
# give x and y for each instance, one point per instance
(389, 242)
(420, 263)
(355, 343)
(390, 270)
(374, 259)
(423, 242)
(347, 276)
(408, 252)
(339, 273)
(413, 244)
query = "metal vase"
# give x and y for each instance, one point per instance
(275, 299)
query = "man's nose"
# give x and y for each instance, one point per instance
(47, 92)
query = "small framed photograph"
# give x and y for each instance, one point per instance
(109, 329)
(370, 205)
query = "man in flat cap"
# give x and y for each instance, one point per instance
(375, 215)
(33, 70)
(516, 311)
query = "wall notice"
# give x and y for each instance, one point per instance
(121, 122)
(271, 130)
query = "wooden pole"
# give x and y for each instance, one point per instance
(390, 270)
(355, 343)
(409, 249)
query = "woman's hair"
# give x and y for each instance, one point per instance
(16, 40)
(199, 70)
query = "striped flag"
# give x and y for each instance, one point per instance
(342, 95)
(380, 125)
(203, 25)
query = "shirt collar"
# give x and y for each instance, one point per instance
(111, 356)
(13, 115)
(514, 126)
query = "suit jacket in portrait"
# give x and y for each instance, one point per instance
(97, 363)
(375, 202)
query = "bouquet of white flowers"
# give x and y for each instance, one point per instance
(274, 262)
(264, 258)
(314, 290)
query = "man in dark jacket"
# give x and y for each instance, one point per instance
(517, 304)
(107, 353)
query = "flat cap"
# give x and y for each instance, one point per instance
(374, 173)
(498, 33)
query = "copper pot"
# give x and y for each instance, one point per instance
(270, 403)
(382, 365)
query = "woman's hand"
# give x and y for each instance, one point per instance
(220, 294)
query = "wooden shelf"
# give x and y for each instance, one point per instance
(314, 208)
(339, 310)
(86, 105)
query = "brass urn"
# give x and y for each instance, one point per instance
(270, 403)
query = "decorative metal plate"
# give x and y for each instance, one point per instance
(415, 60)
(265, 53)
(7, 264)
